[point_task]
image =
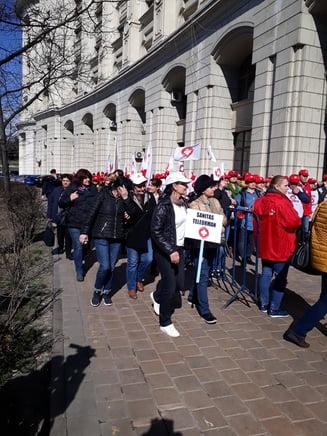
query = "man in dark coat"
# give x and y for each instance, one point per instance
(138, 242)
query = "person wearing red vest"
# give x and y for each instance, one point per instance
(278, 223)
(307, 207)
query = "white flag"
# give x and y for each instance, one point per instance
(146, 166)
(110, 166)
(190, 152)
(133, 166)
(211, 156)
(116, 165)
(170, 165)
(218, 171)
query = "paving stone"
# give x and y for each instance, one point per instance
(311, 427)
(296, 411)
(207, 374)
(263, 409)
(245, 424)
(195, 362)
(159, 380)
(119, 427)
(144, 355)
(217, 389)
(171, 357)
(187, 383)
(166, 396)
(306, 394)
(278, 393)
(247, 391)
(181, 418)
(163, 347)
(137, 391)
(152, 367)
(111, 410)
(209, 418)
(262, 378)
(319, 409)
(282, 427)
(197, 400)
(230, 405)
(234, 376)
(129, 376)
(289, 379)
(248, 364)
(178, 369)
(141, 410)
(108, 392)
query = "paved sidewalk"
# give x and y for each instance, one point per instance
(238, 377)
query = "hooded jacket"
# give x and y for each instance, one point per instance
(278, 222)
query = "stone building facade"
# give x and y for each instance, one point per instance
(247, 77)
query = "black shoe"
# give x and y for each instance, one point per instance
(278, 313)
(96, 299)
(69, 257)
(297, 340)
(80, 277)
(263, 308)
(106, 299)
(209, 318)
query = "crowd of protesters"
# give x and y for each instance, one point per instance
(146, 220)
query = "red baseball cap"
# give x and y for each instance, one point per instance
(249, 178)
(294, 179)
(324, 177)
(304, 172)
(312, 181)
(231, 174)
(258, 179)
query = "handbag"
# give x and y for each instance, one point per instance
(48, 235)
(301, 258)
(61, 217)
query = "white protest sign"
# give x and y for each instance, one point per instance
(218, 171)
(204, 226)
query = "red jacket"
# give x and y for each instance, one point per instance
(278, 222)
(307, 207)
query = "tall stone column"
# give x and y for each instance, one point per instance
(27, 146)
(84, 148)
(164, 135)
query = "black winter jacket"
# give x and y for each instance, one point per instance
(79, 209)
(163, 227)
(139, 231)
(106, 217)
(224, 199)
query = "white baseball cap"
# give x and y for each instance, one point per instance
(138, 179)
(176, 177)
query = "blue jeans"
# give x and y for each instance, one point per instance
(199, 293)
(137, 263)
(273, 297)
(314, 314)
(78, 249)
(107, 253)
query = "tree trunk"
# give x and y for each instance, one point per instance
(4, 155)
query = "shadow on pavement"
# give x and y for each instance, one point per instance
(30, 403)
(162, 427)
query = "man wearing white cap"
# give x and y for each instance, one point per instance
(138, 242)
(167, 231)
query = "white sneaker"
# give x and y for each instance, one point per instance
(170, 331)
(156, 306)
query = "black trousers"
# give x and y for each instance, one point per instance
(167, 293)
(64, 239)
